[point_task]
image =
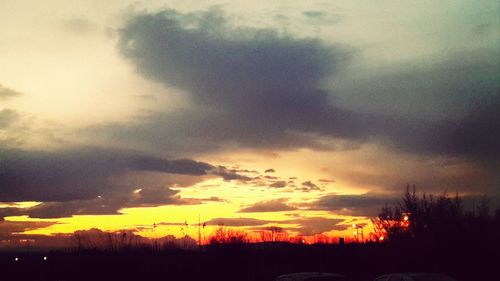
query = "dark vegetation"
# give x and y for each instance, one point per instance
(438, 235)
(440, 220)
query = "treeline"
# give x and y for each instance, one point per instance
(439, 219)
(126, 240)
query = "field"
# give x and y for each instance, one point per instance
(254, 262)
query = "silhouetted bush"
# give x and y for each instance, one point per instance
(438, 219)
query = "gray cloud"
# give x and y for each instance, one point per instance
(477, 134)
(371, 204)
(314, 14)
(232, 67)
(278, 184)
(148, 197)
(439, 105)
(78, 25)
(309, 186)
(7, 117)
(275, 205)
(101, 205)
(230, 174)
(85, 173)
(65, 209)
(321, 17)
(6, 93)
(250, 86)
(367, 204)
(261, 88)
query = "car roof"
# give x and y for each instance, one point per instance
(426, 274)
(412, 274)
(310, 274)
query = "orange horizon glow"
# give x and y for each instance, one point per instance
(207, 236)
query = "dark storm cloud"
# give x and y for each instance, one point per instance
(275, 205)
(84, 173)
(250, 86)
(474, 136)
(261, 88)
(447, 105)
(232, 68)
(357, 205)
(6, 93)
(478, 134)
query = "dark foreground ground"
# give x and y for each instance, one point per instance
(257, 262)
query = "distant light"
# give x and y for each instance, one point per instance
(99, 196)
(303, 241)
(16, 259)
(354, 226)
(381, 238)
(44, 258)
(405, 218)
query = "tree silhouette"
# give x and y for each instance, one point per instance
(273, 234)
(435, 219)
(223, 235)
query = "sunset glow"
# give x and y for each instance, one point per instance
(178, 118)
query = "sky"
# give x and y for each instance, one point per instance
(306, 115)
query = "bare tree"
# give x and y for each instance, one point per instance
(273, 234)
(222, 235)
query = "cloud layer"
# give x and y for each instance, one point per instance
(262, 88)
(254, 87)
(265, 90)
(275, 205)
(94, 180)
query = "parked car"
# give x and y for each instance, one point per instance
(414, 277)
(311, 276)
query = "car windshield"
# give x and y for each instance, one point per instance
(432, 277)
(325, 278)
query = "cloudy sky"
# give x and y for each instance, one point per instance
(308, 115)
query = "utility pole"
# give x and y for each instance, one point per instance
(199, 231)
(358, 233)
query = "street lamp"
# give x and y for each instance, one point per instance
(358, 232)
